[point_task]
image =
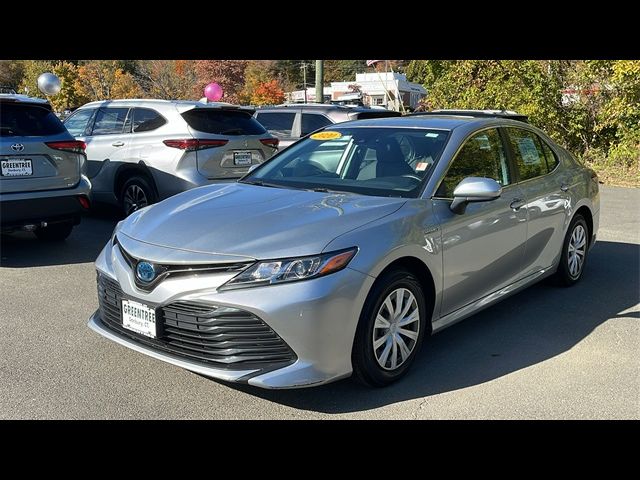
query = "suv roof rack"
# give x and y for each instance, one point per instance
(476, 113)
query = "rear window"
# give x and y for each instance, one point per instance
(28, 121)
(279, 124)
(223, 122)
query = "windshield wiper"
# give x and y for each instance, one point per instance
(326, 190)
(260, 183)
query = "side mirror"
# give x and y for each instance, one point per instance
(474, 189)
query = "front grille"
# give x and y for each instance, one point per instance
(214, 335)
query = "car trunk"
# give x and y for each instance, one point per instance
(27, 162)
(240, 134)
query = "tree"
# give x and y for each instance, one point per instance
(69, 97)
(167, 79)
(268, 93)
(256, 73)
(229, 74)
(104, 80)
(11, 72)
(343, 70)
(32, 69)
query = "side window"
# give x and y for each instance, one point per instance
(146, 119)
(279, 124)
(530, 159)
(482, 155)
(552, 160)
(312, 122)
(77, 122)
(109, 121)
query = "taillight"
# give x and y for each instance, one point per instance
(75, 146)
(191, 144)
(270, 142)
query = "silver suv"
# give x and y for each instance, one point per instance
(290, 122)
(43, 186)
(142, 151)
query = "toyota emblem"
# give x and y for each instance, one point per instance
(17, 147)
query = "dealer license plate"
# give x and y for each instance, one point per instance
(139, 318)
(242, 158)
(16, 168)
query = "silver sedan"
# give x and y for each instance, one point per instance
(341, 253)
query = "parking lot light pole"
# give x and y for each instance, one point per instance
(319, 81)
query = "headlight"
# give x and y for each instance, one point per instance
(291, 269)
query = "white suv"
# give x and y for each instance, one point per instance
(142, 151)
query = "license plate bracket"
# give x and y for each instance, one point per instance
(242, 159)
(16, 167)
(139, 318)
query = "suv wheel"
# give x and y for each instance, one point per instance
(54, 233)
(136, 193)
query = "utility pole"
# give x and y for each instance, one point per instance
(303, 67)
(319, 81)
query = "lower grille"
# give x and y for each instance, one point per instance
(226, 337)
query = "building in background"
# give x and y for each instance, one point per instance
(376, 89)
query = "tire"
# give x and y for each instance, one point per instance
(368, 360)
(137, 192)
(57, 232)
(570, 271)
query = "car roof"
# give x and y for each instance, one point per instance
(17, 98)
(181, 105)
(323, 107)
(446, 122)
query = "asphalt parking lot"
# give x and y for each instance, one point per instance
(544, 353)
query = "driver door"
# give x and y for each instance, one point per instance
(483, 248)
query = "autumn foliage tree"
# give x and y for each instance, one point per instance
(229, 74)
(167, 79)
(268, 93)
(104, 80)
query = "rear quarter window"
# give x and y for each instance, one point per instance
(223, 122)
(28, 121)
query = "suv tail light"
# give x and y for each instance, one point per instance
(75, 146)
(270, 142)
(191, 144)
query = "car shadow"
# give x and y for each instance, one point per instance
(23, 249)
(535, 325)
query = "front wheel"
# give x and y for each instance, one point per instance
(391, 329)
(574, 252)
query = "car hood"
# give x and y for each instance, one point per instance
(254, 221)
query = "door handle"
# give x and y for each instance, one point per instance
(564, 187)
(517, 203)
(118, 144)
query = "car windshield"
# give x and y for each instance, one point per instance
(371, 161)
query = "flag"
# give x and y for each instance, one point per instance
(372, 62)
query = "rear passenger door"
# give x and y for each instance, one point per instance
(145, 141)
(541, 183)
(108, 140)
(284, 125)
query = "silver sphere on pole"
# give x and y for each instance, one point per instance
(49, 84)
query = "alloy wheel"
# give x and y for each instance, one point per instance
(134, 199)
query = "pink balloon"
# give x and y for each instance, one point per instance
(213, 92)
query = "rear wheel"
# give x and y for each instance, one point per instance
(391, 329)
(135, 194)
(54, 233)
(574, 252)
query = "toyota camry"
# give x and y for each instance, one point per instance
(342, 253)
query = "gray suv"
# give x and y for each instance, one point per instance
(142, 151)
(43, 186)
(290, 122)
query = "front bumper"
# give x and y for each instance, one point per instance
(316, 318)
(17, 209)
